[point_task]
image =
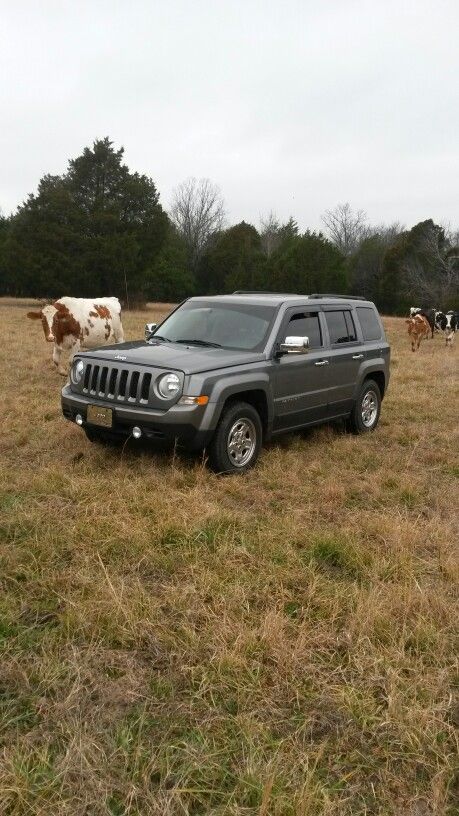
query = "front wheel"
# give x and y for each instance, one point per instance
(236, 444)
(367, 408)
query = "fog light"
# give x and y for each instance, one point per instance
(79, 419)
(136, 432)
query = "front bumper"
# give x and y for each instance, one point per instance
(192, 425)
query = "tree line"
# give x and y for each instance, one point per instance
(99, 229)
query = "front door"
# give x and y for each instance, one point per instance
(300, 381)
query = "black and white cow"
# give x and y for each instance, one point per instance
(429, 315)
(447, 323)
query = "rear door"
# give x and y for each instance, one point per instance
(300, 381)
(346, 356)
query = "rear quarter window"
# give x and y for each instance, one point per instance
(369, 321)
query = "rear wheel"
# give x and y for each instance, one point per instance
(367, 408)
(236, 444)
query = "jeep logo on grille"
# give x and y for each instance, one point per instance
(120, 357)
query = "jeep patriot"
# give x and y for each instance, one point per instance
(225, 373)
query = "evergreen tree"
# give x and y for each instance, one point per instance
(307, 263)
(366, 264)
(170, 279)
(235, 261)
(95, 230)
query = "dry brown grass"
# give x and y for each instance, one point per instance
(177, 643)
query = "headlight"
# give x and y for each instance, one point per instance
(77, 372)
(169, 385)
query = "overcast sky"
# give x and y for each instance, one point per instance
(288, 106)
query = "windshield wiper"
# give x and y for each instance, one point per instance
(159, 337)
(199, 343)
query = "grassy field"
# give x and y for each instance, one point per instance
(281, 644)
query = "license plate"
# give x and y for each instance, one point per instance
(100, 416)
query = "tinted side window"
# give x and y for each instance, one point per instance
(337, 327)
(369, 322)
(305, 324)
(350, 327)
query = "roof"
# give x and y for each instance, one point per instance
(277, 298)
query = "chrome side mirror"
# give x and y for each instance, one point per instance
(294, 345)
(149, 329)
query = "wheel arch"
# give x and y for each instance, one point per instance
(379, 378)
(257, 398)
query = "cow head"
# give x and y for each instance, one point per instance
(46, 315)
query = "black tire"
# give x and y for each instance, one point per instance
(239, 426)
(101, 437)
(372, 409)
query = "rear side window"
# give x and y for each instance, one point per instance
(305, 324)
(350, 327)
(340, 327)
(369, 322)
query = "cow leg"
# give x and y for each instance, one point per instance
(74, 349)
(57, 354)
(119, 335)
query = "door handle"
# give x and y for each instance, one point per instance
(321, 362)
(357, 356)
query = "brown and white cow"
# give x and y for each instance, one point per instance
(418, 328)
(74, 323)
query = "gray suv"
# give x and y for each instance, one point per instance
(225, 373)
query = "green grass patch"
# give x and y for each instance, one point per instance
(338, 556)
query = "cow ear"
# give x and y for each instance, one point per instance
(34, 315)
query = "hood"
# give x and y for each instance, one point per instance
(189, 359)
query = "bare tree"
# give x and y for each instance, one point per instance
(273, 233)
(388, 233)
(198, 213)
(346, 228)
(270, 233)
(432, 271)
(451, 234)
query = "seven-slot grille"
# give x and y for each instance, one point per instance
(120, 384)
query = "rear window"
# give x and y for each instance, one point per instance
(369, 322)
(340, 327)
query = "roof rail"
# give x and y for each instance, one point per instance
(343, 297)
(258, 292)
(314, 296)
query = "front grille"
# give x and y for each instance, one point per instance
(117, 384)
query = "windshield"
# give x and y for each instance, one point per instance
(236, 326)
